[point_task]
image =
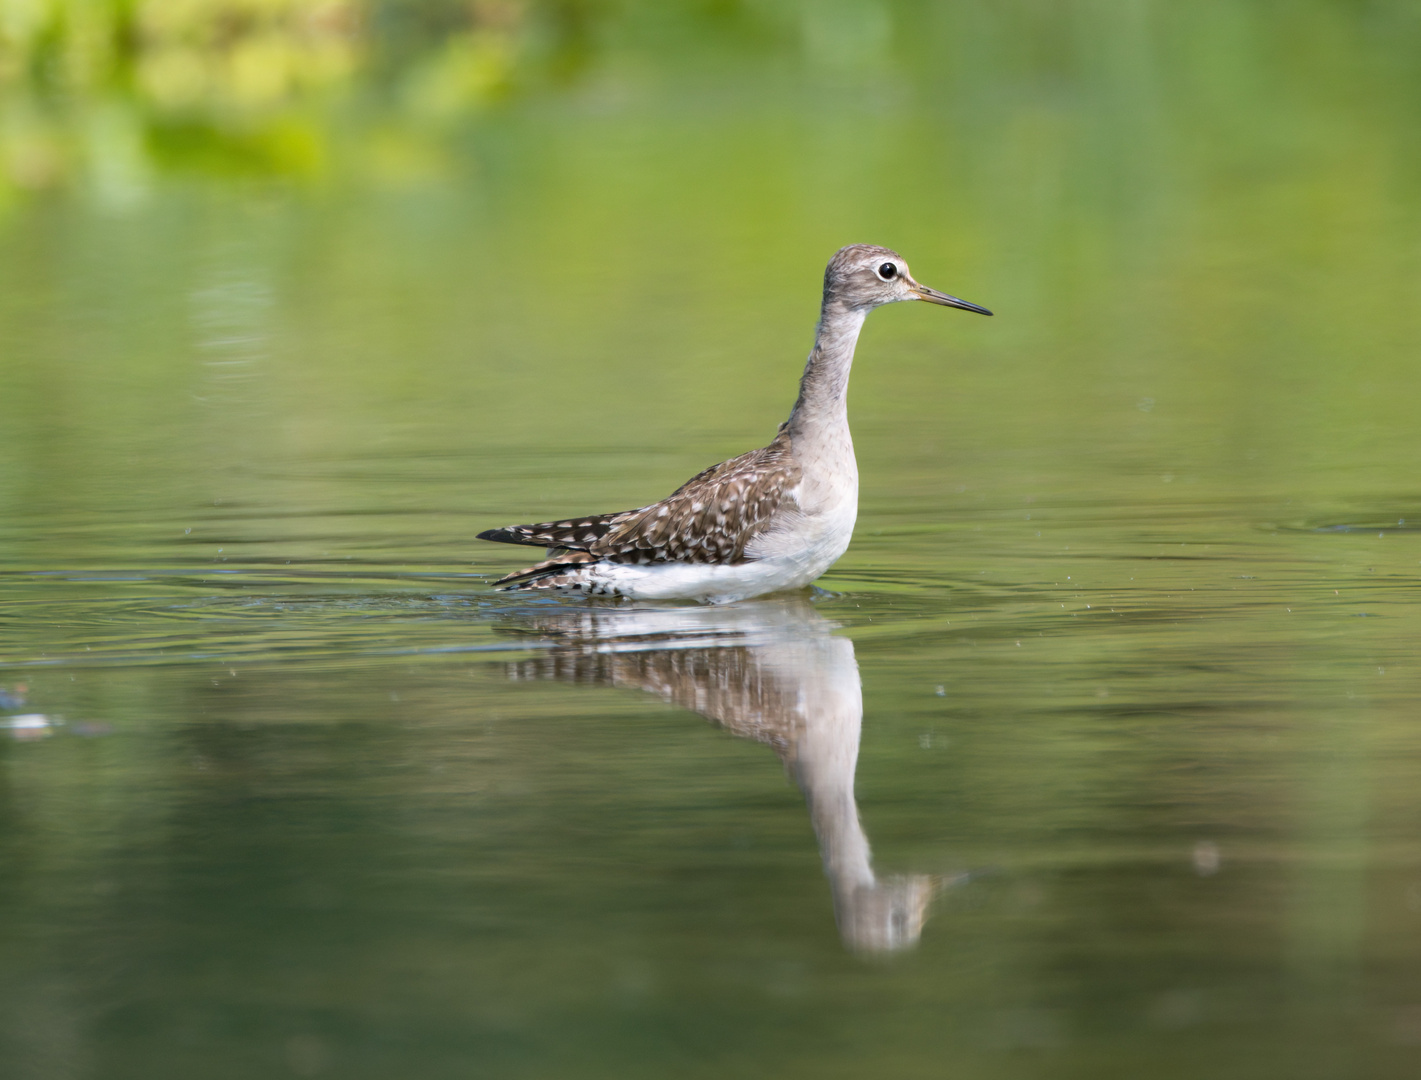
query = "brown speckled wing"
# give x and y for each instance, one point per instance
(577, 534)
(712, 517)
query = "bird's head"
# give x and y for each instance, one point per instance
(865, 276)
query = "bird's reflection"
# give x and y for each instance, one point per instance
(767, 670)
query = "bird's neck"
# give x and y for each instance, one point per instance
(823, 390)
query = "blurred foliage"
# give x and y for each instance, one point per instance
(102, 92)
(105, 94)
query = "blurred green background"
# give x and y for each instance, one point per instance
(295, 298)
(442, 204)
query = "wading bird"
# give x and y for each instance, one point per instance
(775, 518)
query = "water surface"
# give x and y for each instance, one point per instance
(1095, 755)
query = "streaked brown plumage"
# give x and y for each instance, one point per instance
(708, 519)
(784, 513)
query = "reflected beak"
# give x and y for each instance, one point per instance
(932, 296)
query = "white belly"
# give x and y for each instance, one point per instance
(788, 556)
(696, 581)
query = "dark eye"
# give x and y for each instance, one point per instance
(887, 271)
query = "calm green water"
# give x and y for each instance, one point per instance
(1119, 676)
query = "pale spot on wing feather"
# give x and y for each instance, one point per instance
(711, 517)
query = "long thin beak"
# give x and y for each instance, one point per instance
(932, 296)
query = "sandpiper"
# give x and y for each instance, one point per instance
(773, 519)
